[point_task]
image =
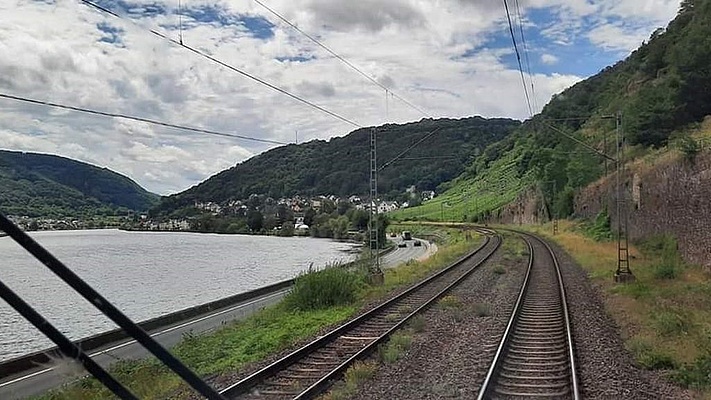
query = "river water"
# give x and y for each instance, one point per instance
(145, 274)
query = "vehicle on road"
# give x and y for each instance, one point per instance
(417, 243)
(402, 244)
(406, 235)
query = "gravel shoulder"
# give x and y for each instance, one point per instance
(605, 367)
(449, 359)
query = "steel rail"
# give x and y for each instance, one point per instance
(245, 385)
(489, 385)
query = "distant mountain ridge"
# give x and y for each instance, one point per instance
(340, 166)
(44, 185)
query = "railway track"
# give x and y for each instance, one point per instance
(535, 356)
(311, 369)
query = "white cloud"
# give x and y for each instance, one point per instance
(549, 59)
(617, 38)
(417, 47)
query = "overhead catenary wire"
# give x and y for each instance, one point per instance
(525, 56)
(230, 67)
(342, 59)
(134, 118)
(580, 142)
(402, 153)
(518, 58)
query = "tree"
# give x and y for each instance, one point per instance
(309, 215)
(255, 220)
(359, 219)
(269, 222)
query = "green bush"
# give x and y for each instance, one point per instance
(696, 375)
(670, 323)
(688, 146)
(665, 249)
(599, 228)
(398, 344)
(325, 288)
(665, 270)
(648, 356)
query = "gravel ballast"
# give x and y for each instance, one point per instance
(605, 368)
(450, 358)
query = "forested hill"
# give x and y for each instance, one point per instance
(661, 90)
(340, 166)
(663, 85)
(42, 185)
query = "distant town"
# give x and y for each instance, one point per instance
(292, 210)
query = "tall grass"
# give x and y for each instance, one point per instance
(665, 313)
(329, 287)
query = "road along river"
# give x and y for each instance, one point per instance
(145, 274)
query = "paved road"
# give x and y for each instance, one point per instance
(411, 252)
(47, 377)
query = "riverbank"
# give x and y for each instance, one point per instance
(146, 275)
(245, 345)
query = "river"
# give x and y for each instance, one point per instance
(145, 274)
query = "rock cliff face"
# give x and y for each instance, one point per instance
(671, 195)
(528, 208)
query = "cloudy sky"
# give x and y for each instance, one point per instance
(449, 58)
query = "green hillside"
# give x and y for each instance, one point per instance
(340, 166)
(42, 185)
(661, 90)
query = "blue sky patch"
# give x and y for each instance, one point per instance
(257, 27)
(295, 58)
(549, 36)
(133, 9)
(111, 33)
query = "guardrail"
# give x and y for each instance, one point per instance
(33, 360)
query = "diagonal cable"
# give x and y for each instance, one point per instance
(525, 55)
(518, 57)
(65, 345)
(134, 118)
(230, 67)
(107, 308)
(402, 153)
(342, 59)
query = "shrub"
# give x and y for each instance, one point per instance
(670, 323)
(499, 270)
(664, 248)
(648, 357)
(450, 301)
(398, 344)
(665, 270)
(696, 375)
(599, 228)
(325, 288)
(688, 146)
(417, 323)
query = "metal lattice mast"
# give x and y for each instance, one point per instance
(374, 253)
(623, 272)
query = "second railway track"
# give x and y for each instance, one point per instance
(310, 370)
(535, 357)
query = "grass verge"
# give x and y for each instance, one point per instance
(269, 331)
(665, 315)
